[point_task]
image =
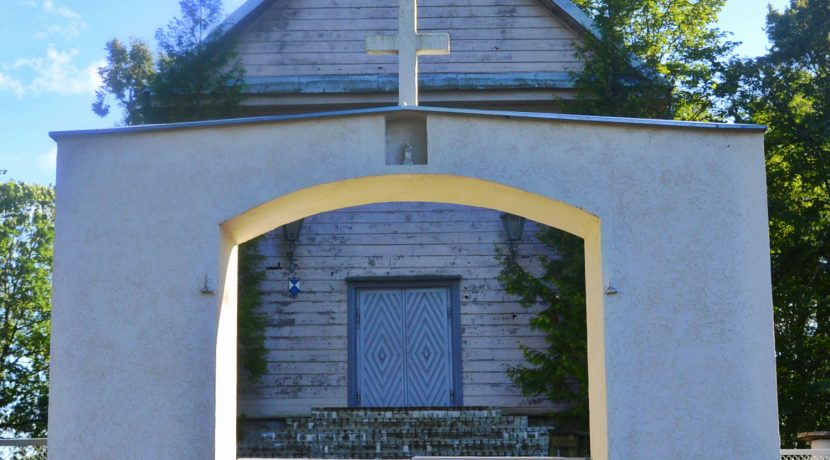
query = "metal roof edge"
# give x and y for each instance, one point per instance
(595, 119)
(57, 135)
(576, 14)
(237, 16)
(220, 122)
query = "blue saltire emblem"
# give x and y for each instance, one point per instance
(293, 286)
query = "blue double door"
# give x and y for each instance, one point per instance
(404, 347)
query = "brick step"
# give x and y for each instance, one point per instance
(404, 419)
(424, 432)
(402, 428)
(396, 454)
(467, 440)
(404, 414)
(402, 433)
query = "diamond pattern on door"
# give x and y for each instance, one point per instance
(380, 349)
(428, 373)
(404, 347)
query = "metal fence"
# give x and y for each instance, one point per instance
(23, 449)
(805, 454)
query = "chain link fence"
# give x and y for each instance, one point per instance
(23, 449)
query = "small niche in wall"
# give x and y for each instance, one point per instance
(406, 139)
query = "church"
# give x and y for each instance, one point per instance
(398, 304)
(394, 154)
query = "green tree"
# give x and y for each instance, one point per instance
(26, 236)
(789, 91)
(560, 371)
(195, 75)
(127, 78)
(198, 75)
(652, 58)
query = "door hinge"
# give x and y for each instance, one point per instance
(357, 316)
(449, 312)
(452, 395)
(357, 398)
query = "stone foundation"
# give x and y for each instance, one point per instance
(400, 433)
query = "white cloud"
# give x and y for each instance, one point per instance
(48, 161)
(56, 73)
(49, 7)
(9, 83)
(70, 24)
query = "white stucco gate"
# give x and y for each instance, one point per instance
(681, 358)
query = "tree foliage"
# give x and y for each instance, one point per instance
(789, 91)
(252, 352)
(198, 75)
(652, 58)
(560, 371)
(26, 236)
(194, 76)
(127, 78)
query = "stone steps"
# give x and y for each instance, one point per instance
(401, 433)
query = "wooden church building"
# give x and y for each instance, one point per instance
(398, 305)
(310, 55)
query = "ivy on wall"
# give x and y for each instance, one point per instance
(251, 352)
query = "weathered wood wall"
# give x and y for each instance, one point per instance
(326, 37)
(307, 336)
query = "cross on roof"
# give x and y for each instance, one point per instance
(408, 45)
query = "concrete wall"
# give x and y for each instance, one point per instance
(307, 336)
(681, 360)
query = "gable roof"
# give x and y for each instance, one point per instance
(513, 54)
(565, 9)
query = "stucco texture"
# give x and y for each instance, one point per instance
(682, 358)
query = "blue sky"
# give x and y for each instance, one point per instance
(51, 48)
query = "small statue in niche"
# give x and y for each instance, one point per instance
(407, 153)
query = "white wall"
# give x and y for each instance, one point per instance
(682, 359)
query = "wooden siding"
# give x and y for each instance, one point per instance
(326, 37)
(307, 337)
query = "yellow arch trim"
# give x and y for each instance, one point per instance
(439, 188)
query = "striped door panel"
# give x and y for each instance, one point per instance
(380, 349)
(427, 358)
(404, 355)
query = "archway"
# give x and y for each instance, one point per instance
(686, 343)
(411, 187)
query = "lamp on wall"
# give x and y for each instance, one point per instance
(291, 233)
(514, 226)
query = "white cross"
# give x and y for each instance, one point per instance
(408, 45)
